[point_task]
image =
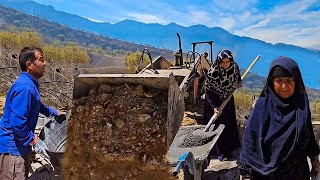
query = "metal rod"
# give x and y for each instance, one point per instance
(180, 50)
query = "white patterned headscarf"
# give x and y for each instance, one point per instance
(223, 81)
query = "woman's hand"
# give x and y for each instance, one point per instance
(245, 177)
(315, 166)
(239, 84)
(216, 111)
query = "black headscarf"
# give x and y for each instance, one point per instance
(275, 124)
(223, 81)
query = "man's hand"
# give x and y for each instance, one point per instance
(34, 141)
(61, 117)
(60, 112)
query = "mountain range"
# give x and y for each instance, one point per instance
(244, 49)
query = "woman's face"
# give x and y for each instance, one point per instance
(284, 86)
(225, 63)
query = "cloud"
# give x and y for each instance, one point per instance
(146, 18)
(292, 22)
(288, 23)
(95, 20)
(232, 5)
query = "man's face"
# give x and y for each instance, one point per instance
(37, 68)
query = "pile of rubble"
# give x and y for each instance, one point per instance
(118, 132)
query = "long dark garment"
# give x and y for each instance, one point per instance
(229, 139)
(278, 137)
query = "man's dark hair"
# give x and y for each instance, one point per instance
(27, 54)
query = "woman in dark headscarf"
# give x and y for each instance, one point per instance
(278, 137)
(222, 80)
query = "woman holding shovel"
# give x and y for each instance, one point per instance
(278, 137)
(222, 80)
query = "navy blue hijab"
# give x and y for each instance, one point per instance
(275, 124)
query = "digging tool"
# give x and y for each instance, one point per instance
(216, 114)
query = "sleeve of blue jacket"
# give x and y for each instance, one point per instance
(47, 110)
(20, 107)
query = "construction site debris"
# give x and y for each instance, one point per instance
(118, 132)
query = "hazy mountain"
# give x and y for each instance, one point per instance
(164, 36)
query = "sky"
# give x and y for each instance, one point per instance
(294, 22)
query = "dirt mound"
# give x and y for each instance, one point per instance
(118, 132)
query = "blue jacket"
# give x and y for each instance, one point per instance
(20, 115)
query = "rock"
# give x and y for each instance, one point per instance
(93, 92)
(105, 88)
(139, 90)
(119, 123)
(144, 117)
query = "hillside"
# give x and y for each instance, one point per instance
(52, 31)
(244, 48)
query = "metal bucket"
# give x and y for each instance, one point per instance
(55, 137)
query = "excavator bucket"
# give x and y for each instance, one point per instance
(118, 120)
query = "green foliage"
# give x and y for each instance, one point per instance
(317, 109)
(74, 54)
(29, 38)
(15, 41)
(95, 49)
(243, 101)
(68, 54)
(53, 53)
(8, 41)
(134, 62)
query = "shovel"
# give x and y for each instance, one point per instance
(204, 132)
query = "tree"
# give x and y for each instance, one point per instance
(8, 41)
(29, 38)
(134, 61)
(53, 53)
(317, 109)
(74, 54)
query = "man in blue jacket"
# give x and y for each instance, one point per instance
(21, 111)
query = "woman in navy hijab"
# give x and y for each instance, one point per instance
(278, 137)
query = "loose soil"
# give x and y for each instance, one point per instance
(118, 132)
